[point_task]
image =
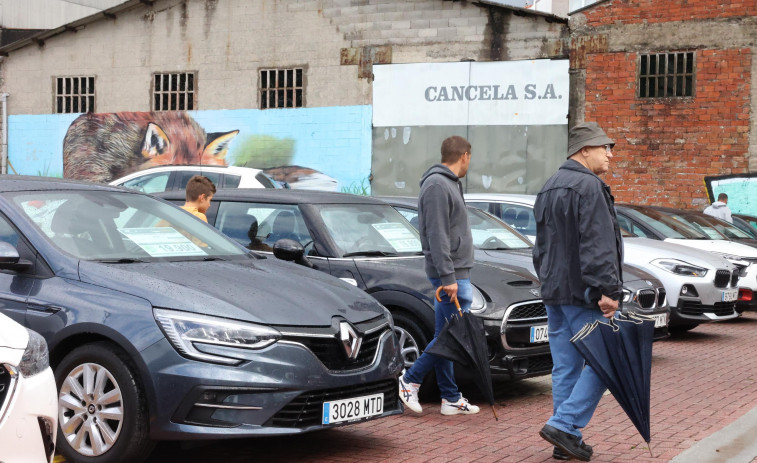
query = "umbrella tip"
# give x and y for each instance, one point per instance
(496, 418)
(649, 446)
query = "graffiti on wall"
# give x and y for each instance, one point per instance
(740, 188)
(309, 148)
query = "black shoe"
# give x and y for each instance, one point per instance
(568, 443)
(558, 454)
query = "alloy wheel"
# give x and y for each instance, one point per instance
(408, 346)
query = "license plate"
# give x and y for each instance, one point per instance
(358, 408)
(539, 334)
(660, 320)
(730, 295)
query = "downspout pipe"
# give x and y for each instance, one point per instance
(4, 164)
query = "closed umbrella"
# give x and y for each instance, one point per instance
(620, 352)
(463, 341)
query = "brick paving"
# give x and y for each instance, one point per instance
(701, 382)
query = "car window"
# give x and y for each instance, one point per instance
(521, 218)
(411, 215)
(701, 224)
(149, 183)
(183, 176)
(631, 228)
(369, 229)
(266, 181)
(490, 233)
(7, 233)
(105, 225)
(744, 226)
(479, 205)
(667, 226)
(231, 181)
(258, 226)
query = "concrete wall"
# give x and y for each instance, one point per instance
(666, 146)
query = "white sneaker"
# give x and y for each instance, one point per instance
(461, 407)
(409, 394)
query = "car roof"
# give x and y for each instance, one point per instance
(520, 198)
(280, 196)
(745, 216)
(10, 183)
(410, 201)
(208, 167)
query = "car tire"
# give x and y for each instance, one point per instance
(412, 337)
(108, 423)
(680, 329)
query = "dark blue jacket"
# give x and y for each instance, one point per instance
(579, 250)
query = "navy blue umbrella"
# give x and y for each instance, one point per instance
(620, 352)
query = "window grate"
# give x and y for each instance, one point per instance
(281, 88)
(174, 91)
(666, 75)
(74, 94)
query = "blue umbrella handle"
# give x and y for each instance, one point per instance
(457, 303)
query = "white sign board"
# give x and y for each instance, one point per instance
(533, 92)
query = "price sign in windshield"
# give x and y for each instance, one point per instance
(162, 241)
(399, 237)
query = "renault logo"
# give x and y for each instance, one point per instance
(350, 340)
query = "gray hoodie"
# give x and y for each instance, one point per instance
(720, 210)
(445, 232)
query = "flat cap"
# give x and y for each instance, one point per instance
(587, 134)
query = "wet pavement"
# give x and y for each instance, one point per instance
(702, 381)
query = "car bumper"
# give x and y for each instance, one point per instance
(703, 304)
(27, 431)
(278, 390)
(512, 355)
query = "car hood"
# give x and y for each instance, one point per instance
(632, 274)
(718, 246)
(264, 291)
(12, 336)
(516, 260)
(642, 251)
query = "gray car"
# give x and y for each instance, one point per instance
(160, 327)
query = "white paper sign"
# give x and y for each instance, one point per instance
(510, 240)
(162, 241)
(531, 92)
(398, 236)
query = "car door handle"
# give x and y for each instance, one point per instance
(43, 308)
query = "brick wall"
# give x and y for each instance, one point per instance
(656, 11)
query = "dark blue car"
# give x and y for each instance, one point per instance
(160, 327)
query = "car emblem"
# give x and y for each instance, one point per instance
(535, 292)
(350, 340)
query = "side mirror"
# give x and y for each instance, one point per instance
(291, 251)
(10, 260)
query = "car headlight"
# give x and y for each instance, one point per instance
(187, 330)
(479, 303)
(679, 267)
(35, 358)
(627, 295)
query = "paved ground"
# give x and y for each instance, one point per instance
(701, 382)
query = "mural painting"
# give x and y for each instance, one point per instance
(308, 148)
(740, 188)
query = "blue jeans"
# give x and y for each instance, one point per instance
(576, 388)
(445, 372)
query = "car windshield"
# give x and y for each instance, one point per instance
(492, 234)
(700, 224)
(122, 227)
(369, 230)
(663, 224)
(731, 231)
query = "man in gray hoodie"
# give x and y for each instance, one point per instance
(720, 208)
(447, 245)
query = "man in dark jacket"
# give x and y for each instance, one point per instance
(578, 256)
(447, 245)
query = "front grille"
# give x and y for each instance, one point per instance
(722, 277)
(661, 295)
(331, 353)
(647, 298)
(735, 278)
(528, 311)
(307, 409)
(721, 309)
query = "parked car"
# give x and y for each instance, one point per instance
(160, 327)
(495, 241)
(368, 243)
(692, 298)
(175, 177)
(28, 400)
(513, 209)
(746, 223)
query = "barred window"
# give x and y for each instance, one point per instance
(74, 94)
(281, 88)
(666, 75)
(174, 91)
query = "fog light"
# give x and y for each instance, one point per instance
(689, 290)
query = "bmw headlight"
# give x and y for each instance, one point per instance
(679, 267)
(35, 358)
(479, 303)
(627, 295)
(186, 331)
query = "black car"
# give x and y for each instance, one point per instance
(496, 241)
(160, 327)
(368, 243)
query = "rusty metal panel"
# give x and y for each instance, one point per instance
(349, 56)
(373, 55)
(580, 46)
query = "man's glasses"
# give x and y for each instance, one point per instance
(608, 148)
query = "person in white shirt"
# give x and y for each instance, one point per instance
(720, 209)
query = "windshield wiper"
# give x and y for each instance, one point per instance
(123, 260)
(371, 253)
(498, 248)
